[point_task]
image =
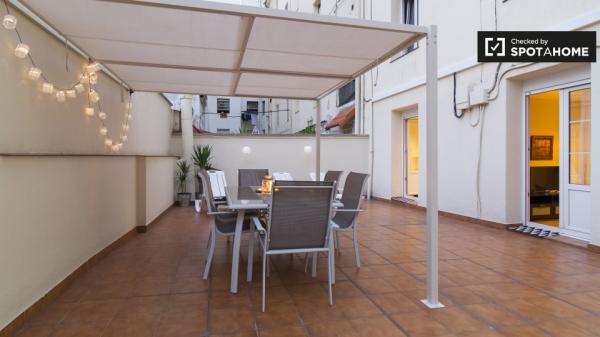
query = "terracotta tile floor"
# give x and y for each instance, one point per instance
(494, 283)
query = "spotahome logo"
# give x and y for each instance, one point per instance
(536, 46)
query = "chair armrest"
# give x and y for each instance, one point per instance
(258, 225)
(221, 213)
(224, 208)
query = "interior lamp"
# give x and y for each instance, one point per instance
(103, 130)
(267, 184)
(102, 115)
(89, 112)
(61, 96)
(47, 88)
(9, 22)
(246, 150)
(71, 93)
(308, 149)
(34, 73)
(22, 50)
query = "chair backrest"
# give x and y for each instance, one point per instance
(282, 176)
(333, 176)
(251, 177)
(207, 188)
(299, 215)
(218, 183)
(351, 198)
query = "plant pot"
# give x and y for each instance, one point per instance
(183, 199)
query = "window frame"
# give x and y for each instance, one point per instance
(401, 19)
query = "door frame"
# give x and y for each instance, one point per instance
(563, 114)
(405, 117)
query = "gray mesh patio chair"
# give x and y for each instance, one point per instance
(299, 222)
(346, 216)
(221, 222)
(251, 177)
(333, 176)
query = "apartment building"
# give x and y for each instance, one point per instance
(491, 166)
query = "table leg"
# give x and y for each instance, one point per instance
(235, 263)
(251, 241)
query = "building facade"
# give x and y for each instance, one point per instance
(488, 167)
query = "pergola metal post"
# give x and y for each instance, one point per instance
(432, 300)
(318, 142)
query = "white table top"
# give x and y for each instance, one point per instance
(244, 198)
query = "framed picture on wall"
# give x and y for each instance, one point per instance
(542, 147)
(176, 121)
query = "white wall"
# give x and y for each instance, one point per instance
(61, 209)
(283, 153)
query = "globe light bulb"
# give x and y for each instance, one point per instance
(47, 88)
(94, 97)
(125, 127)
(92, 67)
(103, 130)
(115, 147)
(71, 93)
(22, 50)
(93, 77)
(129, 116)
(129, 106)
(61, 96)
(9, 22)
(108, 142)
(84, 78)
(124, 138)
(89, 112)
(34, 73)
(102, 115)
(79, 88)
(246, 150)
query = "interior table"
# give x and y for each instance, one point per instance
(241, 200)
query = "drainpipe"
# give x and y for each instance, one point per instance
(187, 135)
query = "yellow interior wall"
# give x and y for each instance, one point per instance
(413, 144)
(544, 121)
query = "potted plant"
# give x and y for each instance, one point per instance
(183, 169)
(202, 158)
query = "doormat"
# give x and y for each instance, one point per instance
(533, 231)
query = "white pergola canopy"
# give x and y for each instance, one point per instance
(201, 47)
(191, 46)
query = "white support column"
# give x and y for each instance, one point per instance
(187, 135)
(318, 142)
(432, 300)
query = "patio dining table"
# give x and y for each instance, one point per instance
(241, 200)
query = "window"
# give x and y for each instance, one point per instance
(223, 130)
(406, 12)
(346, 94)
(223, 107)
(252, 107)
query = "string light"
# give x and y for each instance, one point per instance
(47, 88)
(9, 22)
(34, 73)
(94, 97)
(89, 76)
(60, 96)
(22, 50)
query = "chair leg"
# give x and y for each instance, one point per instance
(331, 269)
(332, 262)
(264, 280)
(208, 242)
(251, 242)
(355, 239)
(211, 252)
(305, 262)
(268, 266)
(314, 265)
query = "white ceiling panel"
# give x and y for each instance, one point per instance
(322, 39)
(132, 52)
(258, 59)
(196, 46)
